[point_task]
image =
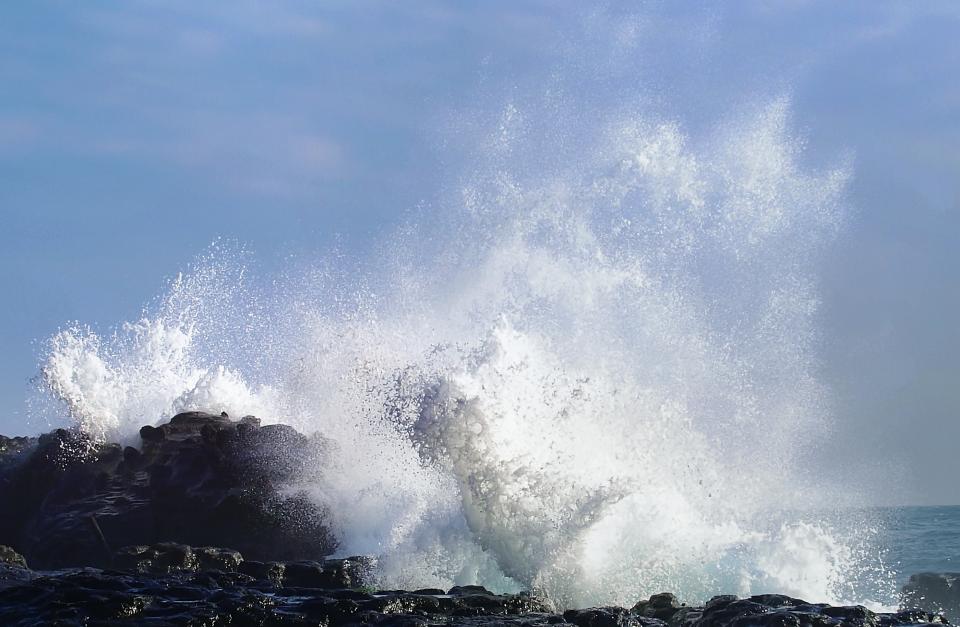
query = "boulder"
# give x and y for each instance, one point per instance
(199, 479)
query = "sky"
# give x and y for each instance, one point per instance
(133, 134)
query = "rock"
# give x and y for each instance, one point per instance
(609, 617)
(328, 574)
(203, 481)
(856, 615)
(151, 434)
(271, 572)
(169, 557)
(211, 558)
(776, 600)
(723, 614)
(9, 557)
(660, 606)
(13, 568)
(462, 590)
(13, 446)
(183, 585)
(199, 480)
(719, 601)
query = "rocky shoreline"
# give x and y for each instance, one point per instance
(173, 584)
(102, 534)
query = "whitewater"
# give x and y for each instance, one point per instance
(589, 368)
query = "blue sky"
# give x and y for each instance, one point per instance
(132, 134)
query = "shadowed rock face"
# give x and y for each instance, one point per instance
(199, 479)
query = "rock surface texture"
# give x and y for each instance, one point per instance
(199, 479)
(172, 584)
(99, 534)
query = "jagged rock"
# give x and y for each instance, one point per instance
(609, 617)
(169, 557)
(462, 590)
(856, 615)
(182, 585)
(200, 479)
(11, 446)
(271, 572)
(723, 614)
(661, 606)
(9, 557)
(13, 568)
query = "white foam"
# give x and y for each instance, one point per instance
(595, 377)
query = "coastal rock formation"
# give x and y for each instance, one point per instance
(173, 584)
(101, 534)
(199, 479)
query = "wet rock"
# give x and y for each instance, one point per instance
(161, 558)
(776, 600)
(735, 612)
(719, 601)
(12, 446)
(609, 617)
(200, 480)
(270, 572)
(204, 481)
(9, 557)
(170, 557)
(686, 617)
(211, 558)
(13, 568)
(180, 588)
(660, 606)
(856, 615)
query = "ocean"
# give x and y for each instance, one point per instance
(923, 539)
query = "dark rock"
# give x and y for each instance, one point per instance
(724, 614)
(461, 590)
(719, 601)
(200, 480)
(609, 617)
(856, 615)
(203, 481)
(211, 558)
(184, 591)
(12, 446)
(9, 557)
(151, 434)
(170, 557)
(661, 606)
(13, 568)
(686, 617)
(271, 572)
(776, 600)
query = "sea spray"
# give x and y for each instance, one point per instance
(591, 373)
